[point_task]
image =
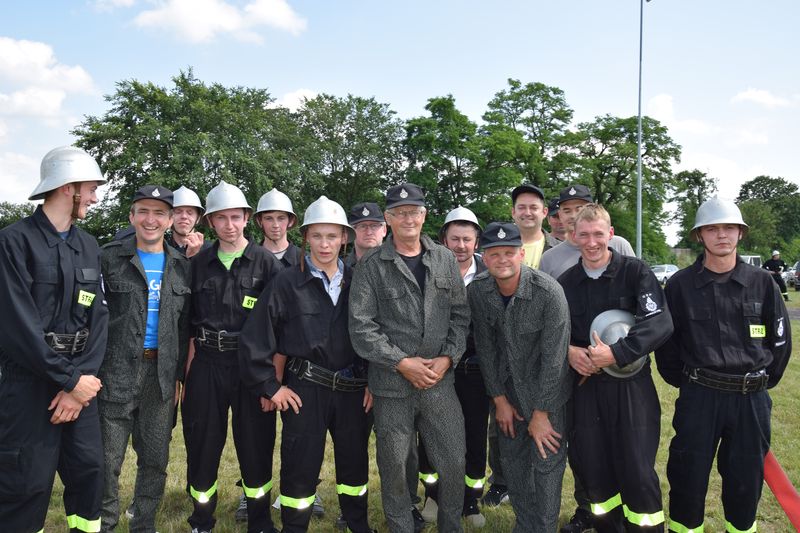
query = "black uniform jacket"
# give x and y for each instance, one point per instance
(48, 284)
(470, 351)
(291, 257)
(627, 284)
(295, 316)
(735, 327)
(169, 238)
(221, 298)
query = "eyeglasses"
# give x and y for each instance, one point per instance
(411, 213)
(368, 227)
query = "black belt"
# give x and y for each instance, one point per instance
(70, 343)
(468, 366)
(222, 341)
(322, 376)
(750, 382)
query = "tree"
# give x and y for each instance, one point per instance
(762, 222)
(11, 212)
(691, 188)
(354, 148)
(782, 197)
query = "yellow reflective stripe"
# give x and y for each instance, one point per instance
(429, 478)
(257, 492)
(474, 483)
(608, 505)
(643, 519)
(40, 531)
(757, 331)
(351, 490)
(297, 503)
(85, 298)
(730, 529)
(78, 522)
(203, 497)
(677, 527)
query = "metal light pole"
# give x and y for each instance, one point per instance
(639, 142)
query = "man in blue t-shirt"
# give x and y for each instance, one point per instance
(147, 289)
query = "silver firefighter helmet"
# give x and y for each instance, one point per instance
(62, 165)
(225, 196)
(611, 326)
(186, 197)
(717, 211)
(326, 211)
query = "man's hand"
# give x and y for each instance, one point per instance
(505, 414)
(286, 398)
(579, 360)
(267, 405)
(543, 434)
(65, 408)
(440, 365)
(86, 389)
(367, 400)
(601, 354)
(417, 371)
(194, 241)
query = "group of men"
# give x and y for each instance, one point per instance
(538, 343)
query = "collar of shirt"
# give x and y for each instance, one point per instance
(471, 271)
(333, 286)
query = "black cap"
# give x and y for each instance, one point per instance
(526, 187)
(404, 194)
(153, 192)
(552, 207)
(575, 192)
(500, 234)
(365, 211)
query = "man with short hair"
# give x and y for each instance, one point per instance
(147, 290)
(521, 323)
(777, 266)
(616, 413)
(732, 342)
(528, 211)
(409, 319)
(558, 259)
(557, 229)
(275, 216)
(367, 220)
(186, 214)
(52, 340)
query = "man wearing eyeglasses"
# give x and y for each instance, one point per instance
(367, 219)
(409, 319)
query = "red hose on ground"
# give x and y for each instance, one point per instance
(783, 489)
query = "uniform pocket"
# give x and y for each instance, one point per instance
(12, 475)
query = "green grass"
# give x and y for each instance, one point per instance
(176, 506)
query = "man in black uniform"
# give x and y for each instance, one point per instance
(52, 340)
(370, 226)
(616, 420)
(777, 266)
(187, 212)
(731, 343)
(303, 314)
(227, 279)
(275, 216)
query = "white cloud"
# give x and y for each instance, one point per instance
(662, 108)
(761, 97)
(3, 132)
(19, 175)
(749, 138)
(108, 5)
(32, 102)
(34, 63)
(200, 21)
(293, 100)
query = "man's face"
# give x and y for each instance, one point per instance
(503, 262)
(568, 211)
(274, 224)
(592, 238)
(557, 226)
(325, 241)
(229, 224)
(369, 234)
(150, 219)
(184, 219)
(720, 240)
(528, 211)
(462, 240)
(88, 192)
(406, 221)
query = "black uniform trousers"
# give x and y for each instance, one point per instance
(74, 449)
(475, 404)
(213, 386)
(615, 436)
(737, 427)
(303, 450)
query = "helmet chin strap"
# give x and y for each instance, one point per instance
(76, 205)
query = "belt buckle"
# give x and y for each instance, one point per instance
(307, 372)
(744, 381)
(74, 349)
(202, 336)
(219, 339)
(335, 378)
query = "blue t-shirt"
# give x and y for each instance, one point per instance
(153, 268)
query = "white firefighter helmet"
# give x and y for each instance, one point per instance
(275, 200)
(717, 211)
(65, 164)
(776, 252)
(459, 214)
(611, 326)
(225, 196)
(186, 197)
(326, 211)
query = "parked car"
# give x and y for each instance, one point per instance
(664, 272)
(754, 260)
(791, 276)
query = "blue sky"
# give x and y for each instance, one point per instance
(723, 76)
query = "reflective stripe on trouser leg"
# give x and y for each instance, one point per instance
(731, 529)
(677, 527)
(203, 496)
(300, 504)
(643, 519)
(82, 524)
(257, 492)
(350, 490)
